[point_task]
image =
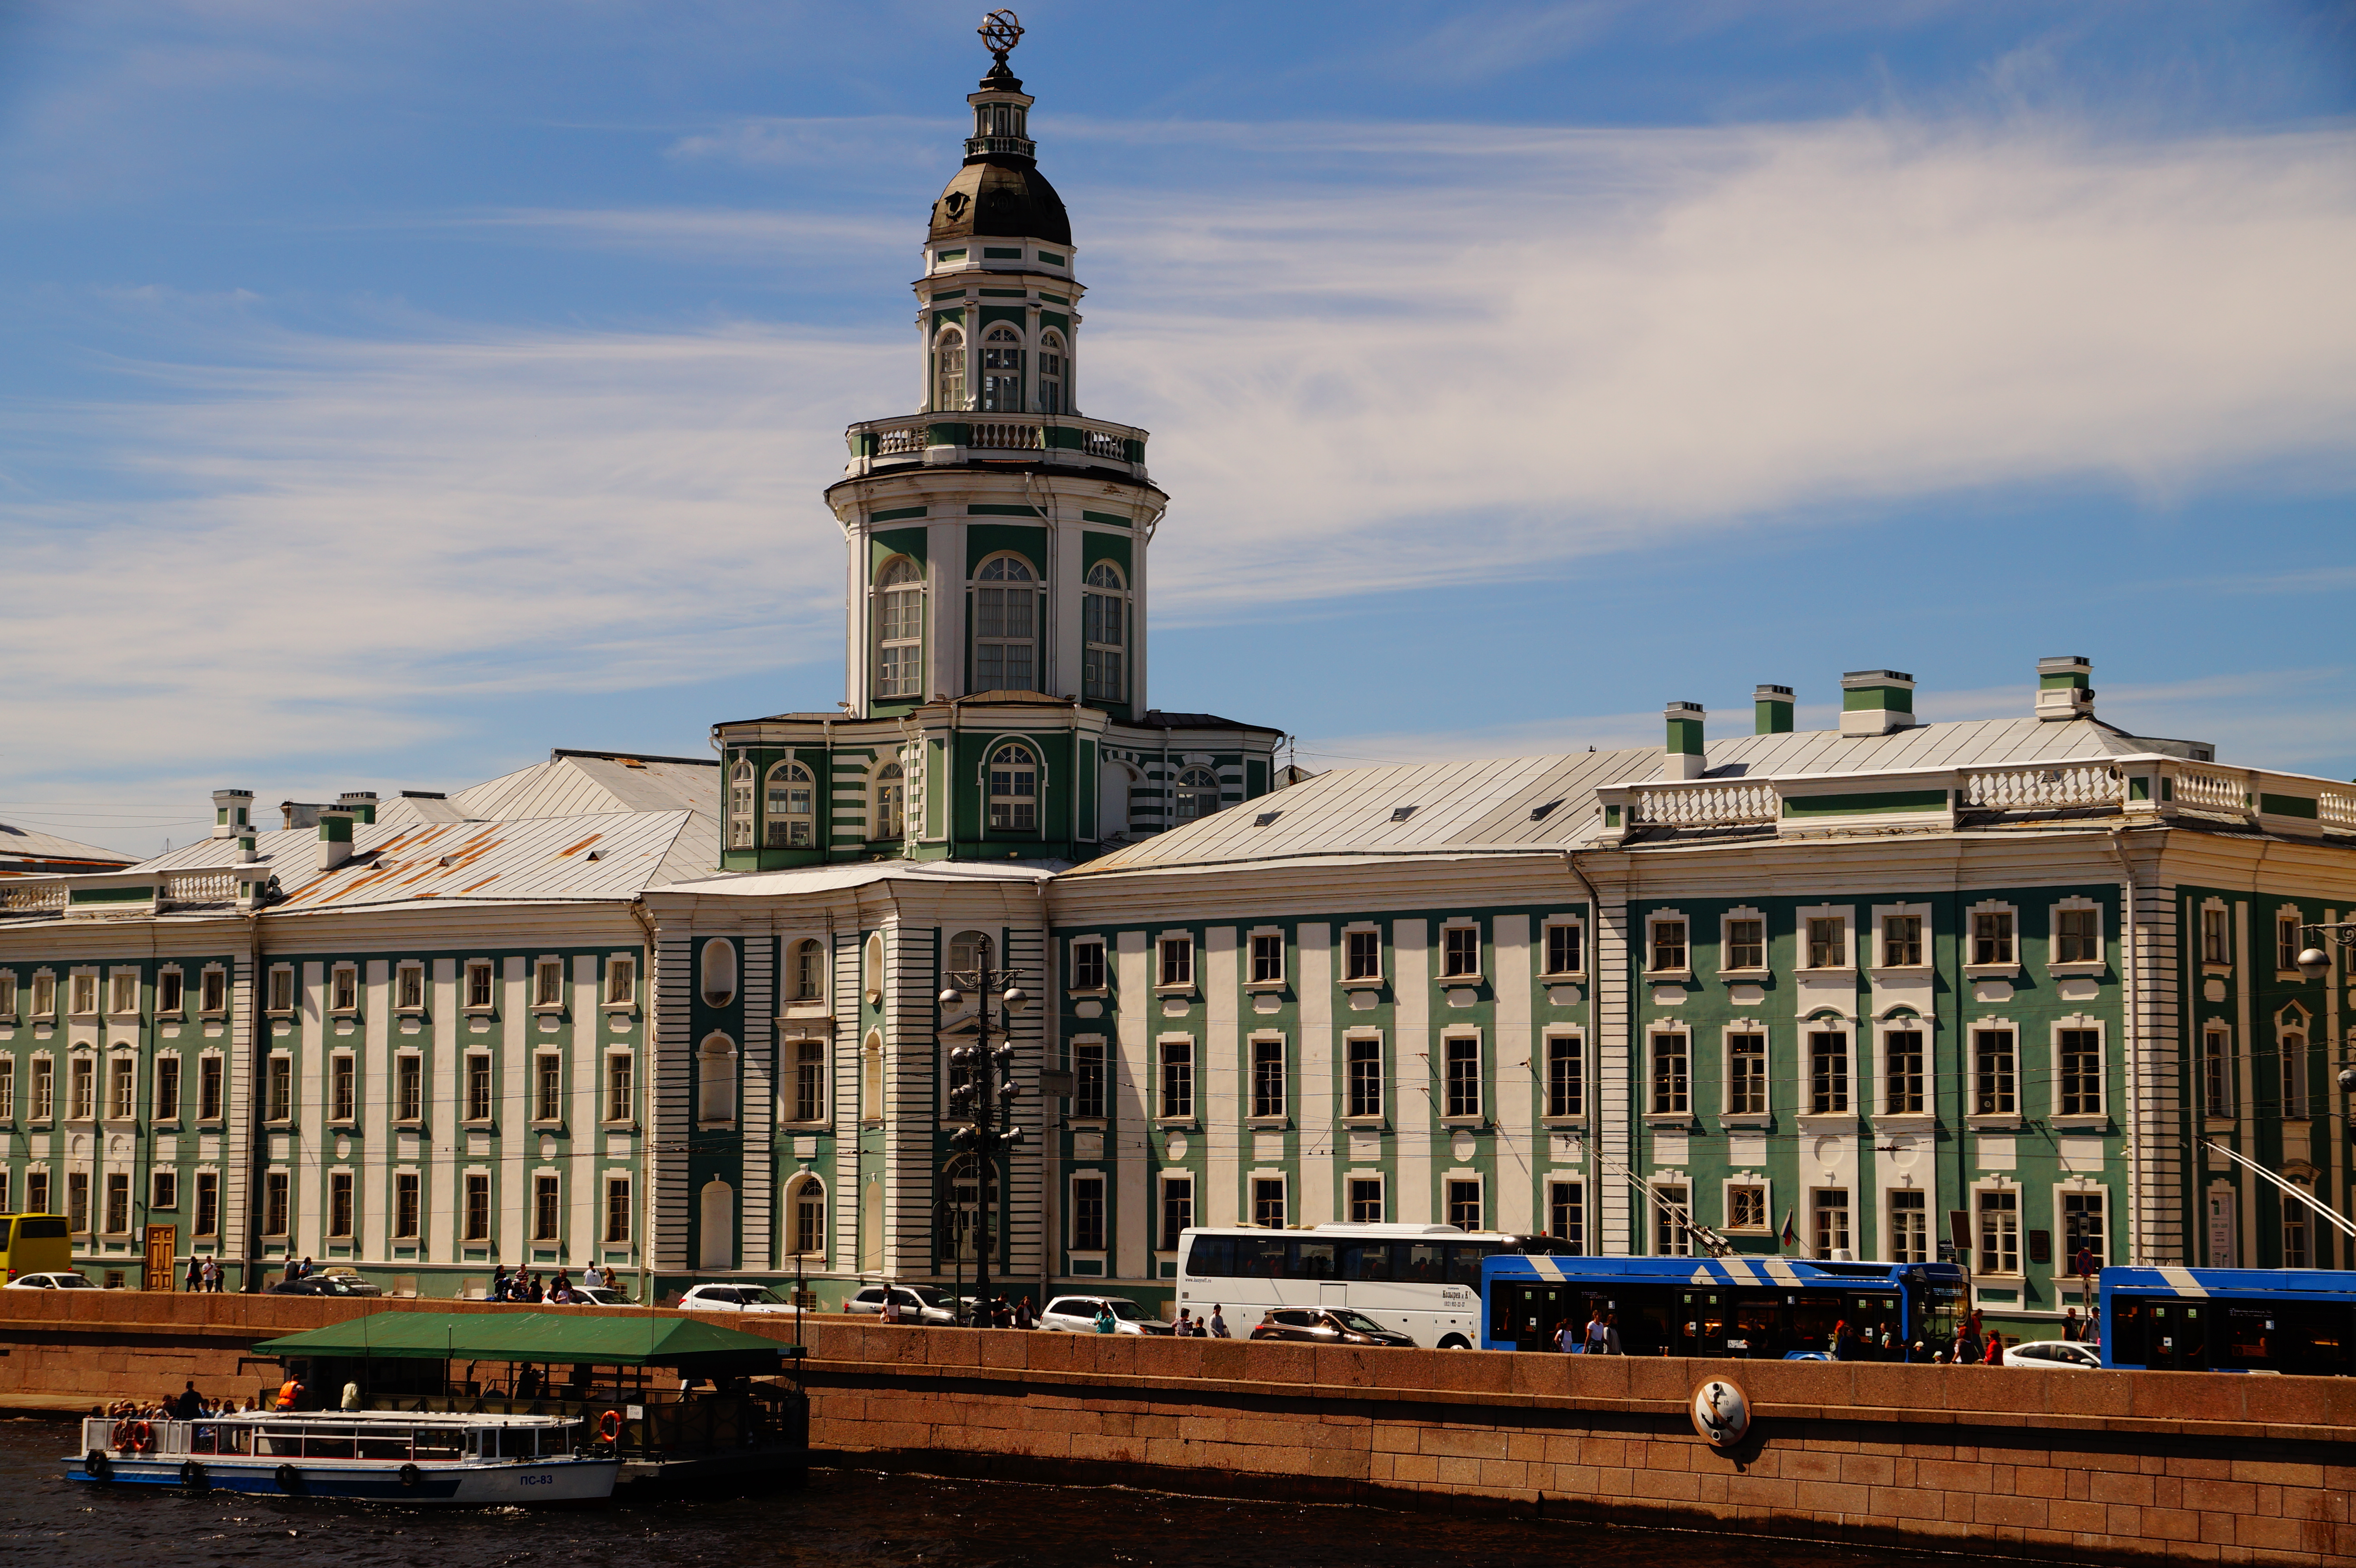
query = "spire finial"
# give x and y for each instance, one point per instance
(1000, 31)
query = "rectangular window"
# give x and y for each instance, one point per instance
(1464, 1205)
(1746, 1074)
(548, 984)
(345, 990)
(1089, 1081)
(208, 1218)
(277, 1210)
(1366, 1057)
(214, 995)
(2216, 1073)
(7, 1088)
(209, 1089)
(2077, 936)
(45, 1089)
(2081, 1072)
(122, 1089)
(125, 998)
(1567, 1216)
(1566, 1075)
(2082, 1228)
(281, 990)
(1903, 1080)
(8, 996)
(1672, 1076)
(2294, 1231)
(1672, 1214)
(280, 1101)
(1463, 1058)
(1746, 1208)
(1746, 944)
(78, 1201)
(409, 1087)
(1178, 960)
(548, 1087)
(1832, 1222)
(1177, 1078)
(1902, 941)
(1088, 966)
(478, 987)
(82, 1105)
(1177, 1210)
(1365, 1200)
(617, 1210)
(339, 1203)
(1461, 951)
(2000, 1232)
(117, 1203)
(478, 1208)
(1668, 945)
(1992, 937)
(2293, 1077)
(478, 1088)
(810, 1081)
(1909, 1226)
(2286, 941)
(1565, 949)
(45, 995)
(1268, 1203)
(408, 988)
(36, 1192)
(622, 982)
(1266, 960)
(1364, 955)
(168, 1088)
(169, 989)
(1828, 1073)
(1087, 1214)
(407, 1203)
(2216, 947)
(164, 1189)
(544, 1208)
(1994, 1077)
(343, 1087)
(1827, 941)
(1268, 1078)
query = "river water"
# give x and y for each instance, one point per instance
(844, 1519)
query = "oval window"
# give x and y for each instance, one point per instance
(719, 973)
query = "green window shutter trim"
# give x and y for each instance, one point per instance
(952, 294)
(901, 515)
(2287, 805)
(1001, 253)
(987, 511)
(111, 895)
(1050, 257)
(1106, 517)
(1867, 804)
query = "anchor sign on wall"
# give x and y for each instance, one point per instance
(1721, 1412)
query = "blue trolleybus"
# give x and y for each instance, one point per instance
(1759, 1308)
(2231, 1319)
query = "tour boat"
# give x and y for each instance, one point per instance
(378, 1456)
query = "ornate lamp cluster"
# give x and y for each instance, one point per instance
(984, 1103)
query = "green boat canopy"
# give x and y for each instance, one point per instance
(691, 1346)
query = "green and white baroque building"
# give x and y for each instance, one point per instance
(684, 1016)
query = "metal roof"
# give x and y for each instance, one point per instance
(574, 785)
(23, 844)
(858, 874)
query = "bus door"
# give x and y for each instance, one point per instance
(1701, 1323)
(1525, 1317)
(1812, 1317)
(1870, 1318)
(2178, 1335)
(1757, 1331)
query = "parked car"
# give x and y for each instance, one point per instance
(918, 1303)
(322, 1285)
(1077, 1315)
(598, 1295)
(66, 1281)
(2054, 1356)
(1326, 1326)
(355, 1284)
(732, 1298)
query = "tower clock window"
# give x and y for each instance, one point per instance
(793, 799)
(948, 369)
(900, 630)
(1050, 374)
(1104, 621)
(1005, 614)
(1013, 791)
(1001, 371)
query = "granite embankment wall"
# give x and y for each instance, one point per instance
(2113, 1466)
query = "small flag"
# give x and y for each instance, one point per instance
(1791, 1235)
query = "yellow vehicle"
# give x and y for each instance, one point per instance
(35, 1244)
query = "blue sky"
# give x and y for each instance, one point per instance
(391, 392)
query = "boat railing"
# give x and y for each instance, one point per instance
(667, 1423)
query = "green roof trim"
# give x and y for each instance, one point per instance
(1866, 804)
(2288, 806)
(1118, 522)
(626, 1340)
(989, 511)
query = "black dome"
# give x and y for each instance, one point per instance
(1001, 195)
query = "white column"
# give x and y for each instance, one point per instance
(512, 1148)
(756, 1106)
(1324, 1146)
(1610, 1201)
(1515, 1056)
(945, 646)
(445, 1069)
(371, 1171)
(1224, 1108)
(1413, 1077)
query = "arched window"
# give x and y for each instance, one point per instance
(741, 783)
(719, 972)
(716, 1079)
(805, 1217)
(948, 369)
(969, 953)
(793, 807)
(1104, 622)
(1013, 791)
(1050, 374)
(900, 630)
(1001, 370)
(717, 1212)
(1198, 794)
(890, 818)
(806, 972)
(1005, 606)
(871, 1227)
(871, 1078)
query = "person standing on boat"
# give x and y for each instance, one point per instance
(290, 1392)
(351, 1396)
(190, 1406)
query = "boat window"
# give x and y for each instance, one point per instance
(384, 1445)
(279, 1441)
(331, 1445)
(439, 1443)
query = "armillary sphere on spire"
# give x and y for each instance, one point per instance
(1000, 31)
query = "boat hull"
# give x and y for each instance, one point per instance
(524, 1483)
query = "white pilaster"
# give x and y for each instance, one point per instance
(1416, 1078)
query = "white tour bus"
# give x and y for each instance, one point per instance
(1422, 1280)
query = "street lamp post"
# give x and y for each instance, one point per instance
(984, 1102)
(2315, 963)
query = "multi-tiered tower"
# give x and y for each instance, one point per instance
(996, 580)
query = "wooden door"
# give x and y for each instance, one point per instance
(163, 1241)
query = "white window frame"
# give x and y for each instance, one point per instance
(1162, 1115)
(1898, 1021)
(542, 1060)
(164, 1187)
(82, 984)
(1996, 1184)
(1655, 1114)
(1449, 1180)
(1576, 1037)
(1726, 942)
(35, 1011)
(1381, 1113)
(178, 1112)
(1654, 921)
(1283, 1183)
(2223, 913)
(1028, 589)
(124, 1108)
(2096, 1118)
(2085, 1185)
(2003, 969)
(1766, 1201)
(1553, 1180)
(2100, 962)
(221, 1110)
(1102, 1115)
(2291, 1022)
(466, 973)
(790, 1048)
(1661, 1238)
(425, 1090)
(1973, 1116)
(1547, 929)
(605, 1087)
(623, 967)
(1163, 1181)
(1805, 1112)
(1032, 759)
(780, 780)
(743, 803)
(802, 1183)
(1104, 1218)
(1184, 988)
(705, 1097)
(1803, 939)
(1283, 1115)
(407, 970)
(1889, 1196)
(887, 802)
(1818, 1208)
(346, 1059)
(1105, 662)
(1883, 964)
(1475, 976)
(205, 979)
(2229, 1063)
(1104, 968)
(1479, 1115)
(874, 1083)
(1195, 793)
(1348, 981)
(541, 967)
(899, 660)
(177, 1010)
(713, 956)
(122, 984)
(1252, 939)
(1350, 1181)
(337, 973)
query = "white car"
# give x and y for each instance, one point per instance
(2054, 1356)
(732, 1298)
(51, 1282)
(598, 1295)
(917, 1303)
(1077, 1315)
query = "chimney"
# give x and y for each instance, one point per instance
(245, 855)
(1771, 707)
(2065, 689)
(1682, 757)
(335, 837)
(232, 809)
(1876, 701)
(360, 802)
